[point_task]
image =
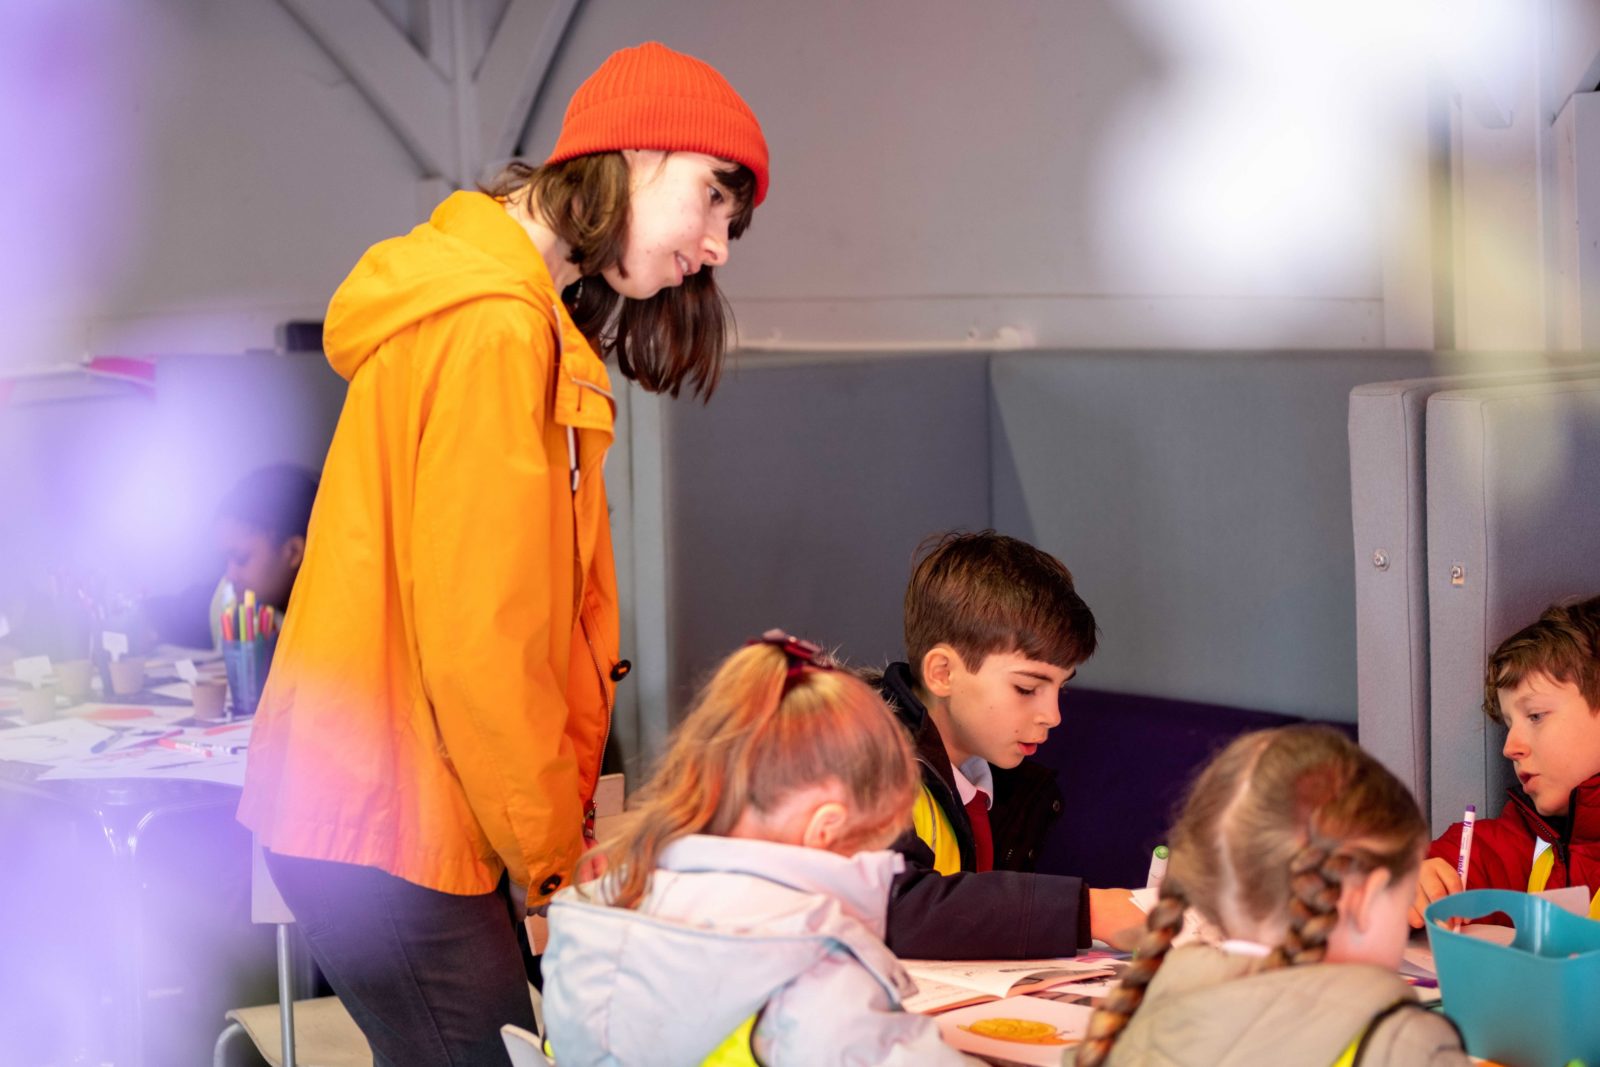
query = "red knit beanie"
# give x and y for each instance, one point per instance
(653, 97)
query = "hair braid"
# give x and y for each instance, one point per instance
(1316, 877)
(1108, 1020)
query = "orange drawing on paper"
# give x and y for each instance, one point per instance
(1020, 1031)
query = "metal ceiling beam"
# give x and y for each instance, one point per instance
(408, 93)
(514, 68)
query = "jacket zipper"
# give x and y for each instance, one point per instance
(1564, 846)
(1561, 842)
(594, 657)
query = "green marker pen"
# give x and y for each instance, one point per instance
(1158, 866)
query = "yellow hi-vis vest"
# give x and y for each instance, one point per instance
(1347, 1058)
(735, 1050)
(934, 828)
(1539, 877)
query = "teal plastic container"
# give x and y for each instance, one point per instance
(1532, 1003)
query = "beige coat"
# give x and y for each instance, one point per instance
(1206, 1008)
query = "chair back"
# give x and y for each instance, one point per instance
(524, 1047)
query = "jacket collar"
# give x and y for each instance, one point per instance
(1581, 824)
(900, 690)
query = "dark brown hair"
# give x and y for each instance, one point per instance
(1564, 643)
(753, 738)
(985, 593)
(677, 337)
(1270, 831)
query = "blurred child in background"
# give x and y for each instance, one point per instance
(261, 532)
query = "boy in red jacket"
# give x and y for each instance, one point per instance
(1543, 684)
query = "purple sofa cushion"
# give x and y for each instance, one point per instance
(1123, 764)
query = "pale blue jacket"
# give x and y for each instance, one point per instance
(731, 928)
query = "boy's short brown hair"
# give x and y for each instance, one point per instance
(985, 593)
(1564, 644)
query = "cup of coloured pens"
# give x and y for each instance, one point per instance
(249, 636)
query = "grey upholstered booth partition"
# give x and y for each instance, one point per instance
(1389, 516)
(797, 496)
(1513, 477)
(1202, 499)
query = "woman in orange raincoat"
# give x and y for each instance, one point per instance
(441, 693)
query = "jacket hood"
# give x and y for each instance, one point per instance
(469, 248)
(688, 981)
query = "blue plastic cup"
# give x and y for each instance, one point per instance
(247, 663)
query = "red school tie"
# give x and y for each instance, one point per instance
(982, 835)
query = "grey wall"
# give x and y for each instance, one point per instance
(1203, 503)
(797, 498)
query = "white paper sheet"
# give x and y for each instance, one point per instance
(50, 742)
(151, 761)
(996, 977)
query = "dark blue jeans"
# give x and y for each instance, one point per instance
(429, 977)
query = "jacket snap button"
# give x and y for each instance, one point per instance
(1055, 806)
(550, 884)
(621, 670)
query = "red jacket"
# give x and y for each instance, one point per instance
(1503, 848)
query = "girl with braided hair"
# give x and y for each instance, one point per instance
(1302, 853)
(741, 916)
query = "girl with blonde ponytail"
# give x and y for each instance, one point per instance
(1302, 854)
(741, 916)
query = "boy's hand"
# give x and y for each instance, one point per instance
(1115, 919)
(1438, 879)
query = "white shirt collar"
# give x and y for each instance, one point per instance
(1240, 947)
(972, 775)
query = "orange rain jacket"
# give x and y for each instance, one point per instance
(440, 696)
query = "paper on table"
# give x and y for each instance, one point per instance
(998, 978)
(1016, 1030)
(946, 984)
(151, 761)
(1092, 990)
(1417, 961)
(935, 996)
(1573, 898)
(48, 742)
(1145, 897)
(223, 770)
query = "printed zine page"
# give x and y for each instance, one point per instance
(946, 984)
